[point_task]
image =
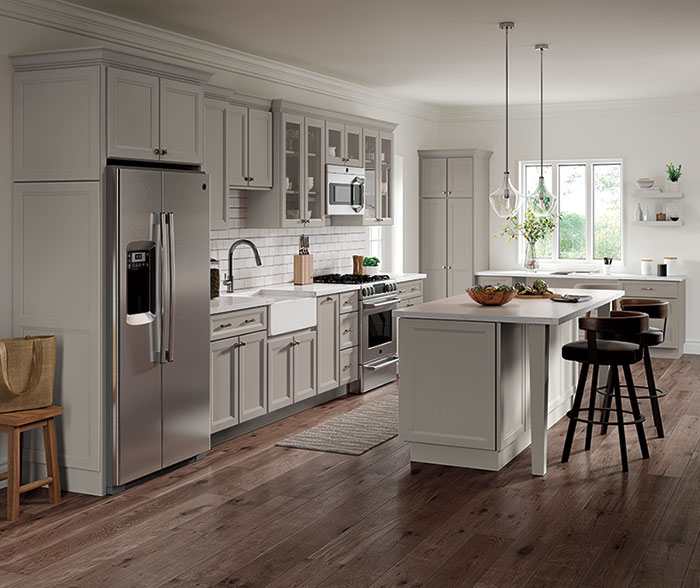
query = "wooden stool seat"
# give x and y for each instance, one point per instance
(14, 424)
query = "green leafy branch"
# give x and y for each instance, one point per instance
(532, 228)
(673, 172)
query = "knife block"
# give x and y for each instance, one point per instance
(303, 269)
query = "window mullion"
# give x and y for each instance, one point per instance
(589, 212)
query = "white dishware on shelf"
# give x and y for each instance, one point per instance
(310, 183)
(331, 151)
(647, 267)
(644, 183)
(639, 213)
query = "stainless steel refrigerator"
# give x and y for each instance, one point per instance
(158, 232)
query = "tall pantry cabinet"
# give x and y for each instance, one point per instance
(454, 219)
(72, 110)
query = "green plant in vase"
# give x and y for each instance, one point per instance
(532, 228)
(673, 174)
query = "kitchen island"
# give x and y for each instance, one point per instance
(476, 381)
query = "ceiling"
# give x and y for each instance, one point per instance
(451, 52)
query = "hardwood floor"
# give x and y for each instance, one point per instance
(252, 514)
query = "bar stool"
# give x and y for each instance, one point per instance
(612, 352)
(14, 424)
(656, 309)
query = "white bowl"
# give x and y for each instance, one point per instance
(645, 183)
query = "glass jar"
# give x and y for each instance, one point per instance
(214, 278)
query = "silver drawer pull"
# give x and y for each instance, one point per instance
(328, 299)
(414, 289)
(346, 331)
(224, 326)
(242, 344)
(346, 368)
(248, 321)
(647, 288)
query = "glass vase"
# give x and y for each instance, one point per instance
(531, 263)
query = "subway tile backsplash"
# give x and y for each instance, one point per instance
(332, 248)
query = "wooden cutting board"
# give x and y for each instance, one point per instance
(537, 296)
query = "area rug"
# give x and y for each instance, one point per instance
(354, 432)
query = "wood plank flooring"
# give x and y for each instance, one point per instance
(255, 515)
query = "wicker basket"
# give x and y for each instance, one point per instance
(27, 368)
(491, 298)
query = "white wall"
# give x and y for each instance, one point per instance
(645, 136)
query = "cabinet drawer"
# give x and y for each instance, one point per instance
(408, 302)
(240, 322)
(348, 365)
(348, 330)
(652, 289)
(348, 302)
(410, 289)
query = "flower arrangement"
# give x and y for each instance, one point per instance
(532, 228)
(673, 172)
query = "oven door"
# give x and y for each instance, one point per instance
(346, 195)
(378, 330)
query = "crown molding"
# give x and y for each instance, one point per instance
(532, 111)
(167, 45)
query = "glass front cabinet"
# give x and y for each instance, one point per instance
(305, 140)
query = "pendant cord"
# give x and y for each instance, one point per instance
(541, 113)
(507, 168)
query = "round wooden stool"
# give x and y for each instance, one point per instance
(14, 424)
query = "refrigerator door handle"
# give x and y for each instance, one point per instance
(156, 338)
(170, 223)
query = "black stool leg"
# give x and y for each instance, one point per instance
(620, 418)
(591, 406)
(651, 383)
(606, 403)
(635, 410)
(580, 389)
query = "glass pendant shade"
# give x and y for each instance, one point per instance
(505, 200)
(541, 201)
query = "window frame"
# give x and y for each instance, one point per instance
(589, 164)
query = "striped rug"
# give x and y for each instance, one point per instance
(354, 432)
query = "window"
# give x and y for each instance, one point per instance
(589, 204)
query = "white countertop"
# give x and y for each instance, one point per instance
(577, 276)
(242, 299)
(538, 311)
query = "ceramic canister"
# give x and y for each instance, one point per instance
(647, 267)
(671, 265)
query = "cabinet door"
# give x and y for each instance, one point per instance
(433, 177)
(252, 375)
(259, 148)
(133, 107)
(353, 146)
(215, 162)
(335, 143)
(237, 146)
(57, 124)
(433, 247)
(460, 271)
(386, 188)
(293, 202)
(305, 366)
(181, 121)
(327, 330)
(460, 174)
(313, 184)
(224, 365)
(371, 156)
(280, 372)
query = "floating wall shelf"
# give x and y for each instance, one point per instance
(656, 195)
(655, 223)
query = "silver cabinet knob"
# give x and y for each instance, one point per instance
(163, 151)
(156, 151)
(224, 326)
(242, 344)
(250, 320)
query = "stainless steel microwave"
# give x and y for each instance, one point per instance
(345, 189)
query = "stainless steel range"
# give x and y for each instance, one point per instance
(378, 349)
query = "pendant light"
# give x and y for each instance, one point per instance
(541, 201)
(505, 200)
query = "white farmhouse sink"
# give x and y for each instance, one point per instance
(288, 312)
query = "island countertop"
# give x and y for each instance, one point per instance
(522, 311)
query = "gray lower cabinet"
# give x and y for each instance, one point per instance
(291, 369)
(238, 380)
(328, 333)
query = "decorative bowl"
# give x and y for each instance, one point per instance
(491, 297)
(645, 183)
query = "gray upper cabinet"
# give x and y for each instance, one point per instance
(249, 154)
(454, 219)
(344, 144)
(153, 118)
(215, 128)
(237, 146)
(57, 124)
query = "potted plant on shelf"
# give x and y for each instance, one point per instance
(370, 265)
(532, 228)
(674, 175)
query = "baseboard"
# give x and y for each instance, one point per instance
(692, 347)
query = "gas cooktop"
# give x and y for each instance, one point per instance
(350, 278)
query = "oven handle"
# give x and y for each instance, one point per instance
(378, 366)
(384, 303)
